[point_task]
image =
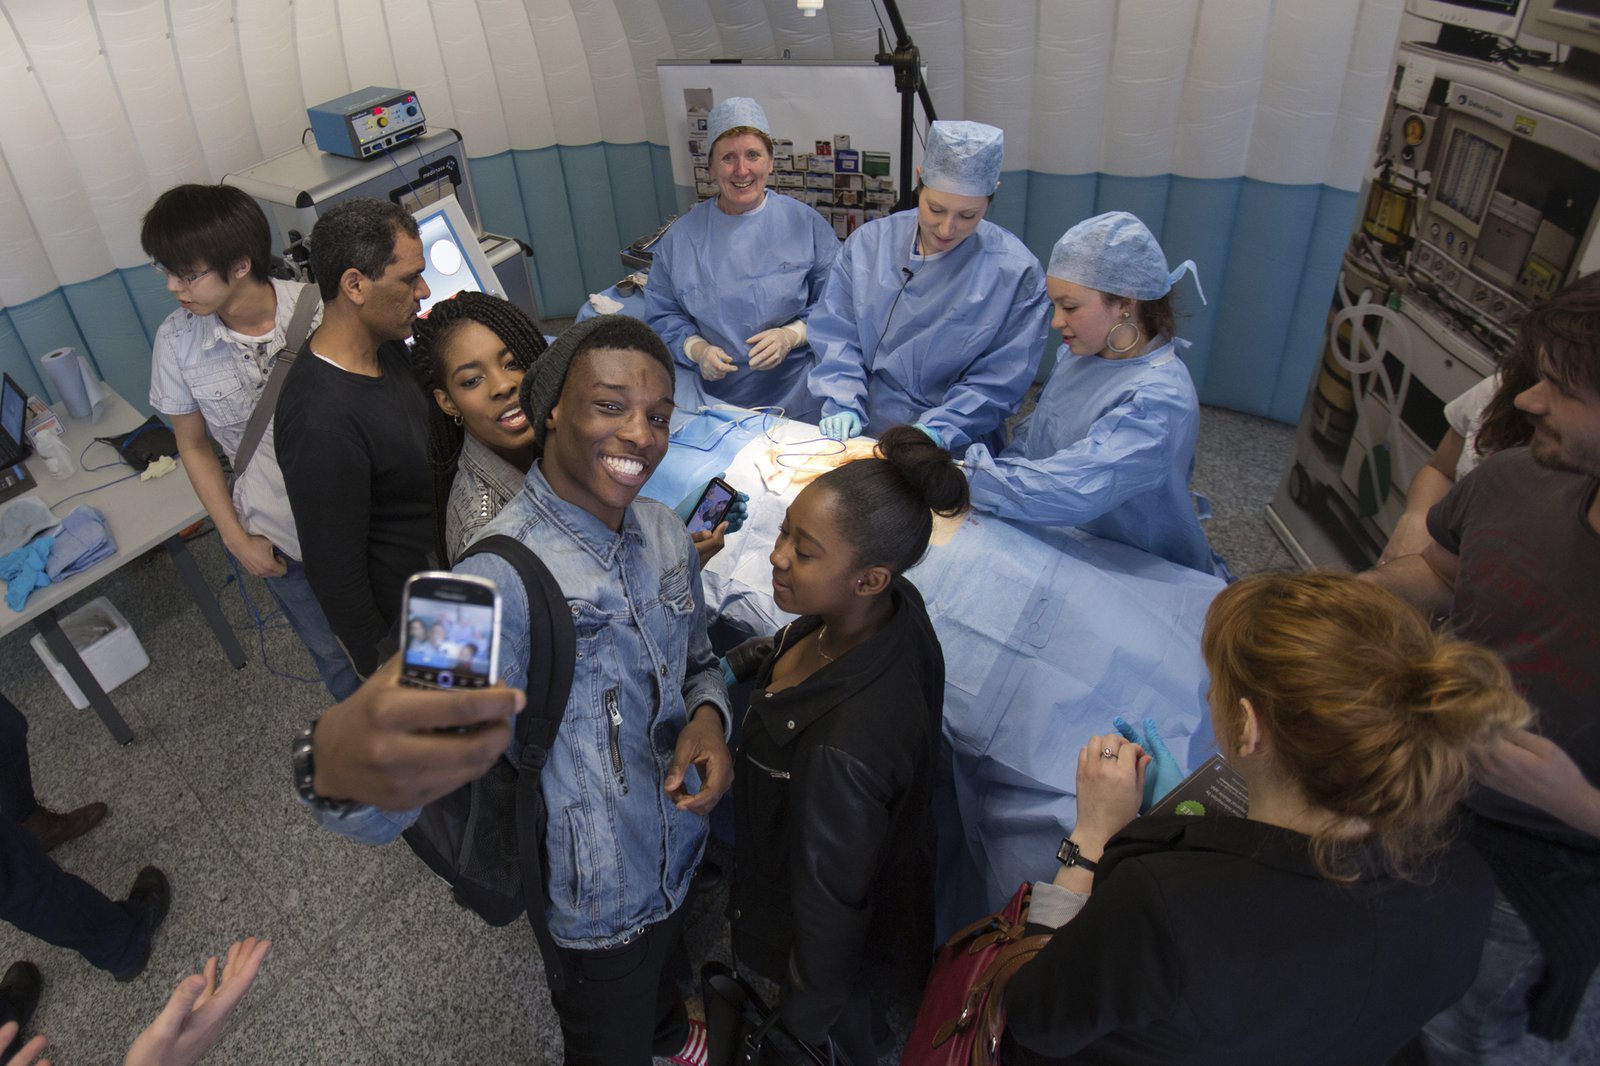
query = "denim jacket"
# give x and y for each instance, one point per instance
(483, 483)
(620, 856)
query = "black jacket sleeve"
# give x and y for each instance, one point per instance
(841, 817)
(1112, 967)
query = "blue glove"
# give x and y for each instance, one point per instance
(842, 426)
(1163, 774)
(932, 433)
(727, 672)
(738, 511)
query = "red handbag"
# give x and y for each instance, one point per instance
(962, 1013)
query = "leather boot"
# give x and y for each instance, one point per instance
(54, 829)
(20, 989)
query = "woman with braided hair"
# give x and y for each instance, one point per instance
(470, 353)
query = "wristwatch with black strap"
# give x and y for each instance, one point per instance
(1069, 854)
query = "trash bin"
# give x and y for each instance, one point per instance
(105, 642)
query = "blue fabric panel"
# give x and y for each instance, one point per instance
(1010, 207)
(551, 230)
(15, 359)
(594, 213)
(1256, 300)
(666, 192)
(1330, 233)
(1144, 197)
(43, 325)
(1055, 203)
(151, 300)
(113, 333)
(1199, 226)
(633, 196)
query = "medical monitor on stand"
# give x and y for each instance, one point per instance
(1575, 23)
(1499, 17)
(453, 261)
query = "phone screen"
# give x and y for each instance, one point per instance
(448, 643)
(713, 506)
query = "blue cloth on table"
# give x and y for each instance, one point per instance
(83, 540)
(701, 447)
(1048, 634)
(23, 570)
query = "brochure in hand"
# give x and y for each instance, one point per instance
(1212, 790)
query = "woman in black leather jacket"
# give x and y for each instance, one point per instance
(833, 885)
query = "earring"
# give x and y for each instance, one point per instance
(1131, 344)
(456, 419)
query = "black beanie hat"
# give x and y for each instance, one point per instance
(542, 384)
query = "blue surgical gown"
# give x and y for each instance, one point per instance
(955, 346)
(1109, 449)
(728, 277)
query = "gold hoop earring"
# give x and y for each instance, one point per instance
(1131, 345)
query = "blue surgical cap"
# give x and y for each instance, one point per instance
(963, 158)
(732, 112)
(1116, 253)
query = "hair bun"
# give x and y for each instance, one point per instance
(929, 469)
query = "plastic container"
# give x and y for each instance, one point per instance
(106, 643)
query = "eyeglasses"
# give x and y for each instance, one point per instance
(185, 279)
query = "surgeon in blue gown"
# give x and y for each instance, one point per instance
(734, 280)
(934, 317)
(1110, 446)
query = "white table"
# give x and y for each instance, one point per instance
(140, 515)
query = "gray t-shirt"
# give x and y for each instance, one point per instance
(1528, 588)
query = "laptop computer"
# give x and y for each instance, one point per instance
(13, 416)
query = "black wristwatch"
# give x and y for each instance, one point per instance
(1069, 854)
(305, 772)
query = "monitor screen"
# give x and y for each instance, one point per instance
(13, 410)
(453, 262)
(1486, 16)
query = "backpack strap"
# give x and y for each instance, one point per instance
(305, 307)
(552, 655)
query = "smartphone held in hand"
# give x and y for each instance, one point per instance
(713, 506)
(452, 631)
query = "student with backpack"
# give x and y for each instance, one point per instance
(640, 756)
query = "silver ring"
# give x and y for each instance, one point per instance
(1107, 753)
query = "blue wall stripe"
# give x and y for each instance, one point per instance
(1268, 255)
(1336, 212)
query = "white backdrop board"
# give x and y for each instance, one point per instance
(805, 101)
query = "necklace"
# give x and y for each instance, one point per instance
(820, 650)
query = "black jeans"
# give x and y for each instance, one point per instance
(39, 897)
(16, 780)
(621, 1005)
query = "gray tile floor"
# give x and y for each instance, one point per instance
(371, 961)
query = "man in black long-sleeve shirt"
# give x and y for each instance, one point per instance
(351, 427)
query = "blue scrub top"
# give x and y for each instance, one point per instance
(728, 277)
(954, 346)
(1109, 449)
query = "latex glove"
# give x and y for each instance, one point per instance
(713, 362)
(842, 426)
(932, 433)
(770, 347)
(727, 672)
(1164, 773)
